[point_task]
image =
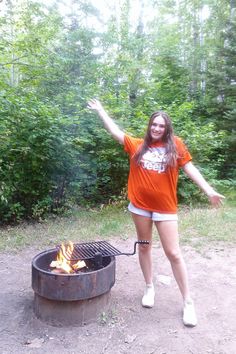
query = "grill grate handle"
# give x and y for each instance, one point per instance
(97, 249)
(141, 242)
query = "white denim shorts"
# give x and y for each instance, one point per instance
(152, 215)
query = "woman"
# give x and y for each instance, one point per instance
(152, 185)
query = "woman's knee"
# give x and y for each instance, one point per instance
(144, 249)
(174, 256)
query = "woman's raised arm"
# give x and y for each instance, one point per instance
(108, 123)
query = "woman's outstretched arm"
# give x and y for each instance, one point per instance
(108, 123)
(193, 173)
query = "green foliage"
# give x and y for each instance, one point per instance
(221, 94)
(103, 166)
(54, 153)
(207, 146)
(35, 156)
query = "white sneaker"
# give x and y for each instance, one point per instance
(189, 314)
(148, 297)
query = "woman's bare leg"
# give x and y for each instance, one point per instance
(168, 232)
(144, 232)
(143, 227)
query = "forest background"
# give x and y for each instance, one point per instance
(135, 56)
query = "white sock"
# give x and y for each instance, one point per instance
(150, 285)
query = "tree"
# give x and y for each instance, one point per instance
(221, 98)
(179, 58)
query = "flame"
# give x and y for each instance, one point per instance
(65, 264)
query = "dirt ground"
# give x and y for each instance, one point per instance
(127, 327)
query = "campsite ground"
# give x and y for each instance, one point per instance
(127, 327)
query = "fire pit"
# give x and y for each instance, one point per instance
(74, 298)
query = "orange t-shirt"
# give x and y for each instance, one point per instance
(150, 185)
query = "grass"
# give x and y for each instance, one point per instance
(200, 228)
(204, 226)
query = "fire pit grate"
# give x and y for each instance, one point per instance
(89, 250)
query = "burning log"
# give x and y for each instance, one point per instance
(58, 271)
(63, 265)
(79, 265)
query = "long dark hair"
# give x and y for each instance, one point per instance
(167, 139)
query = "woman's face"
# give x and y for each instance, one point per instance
(157, 129)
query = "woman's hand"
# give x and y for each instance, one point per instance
(95, 105)
(215, 198)
(108, 123)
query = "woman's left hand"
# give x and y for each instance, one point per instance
(215, 199)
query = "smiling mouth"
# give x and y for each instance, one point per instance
(156, 136)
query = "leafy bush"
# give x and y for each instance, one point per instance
(103, 166)
(207, 146)
(34, 156)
